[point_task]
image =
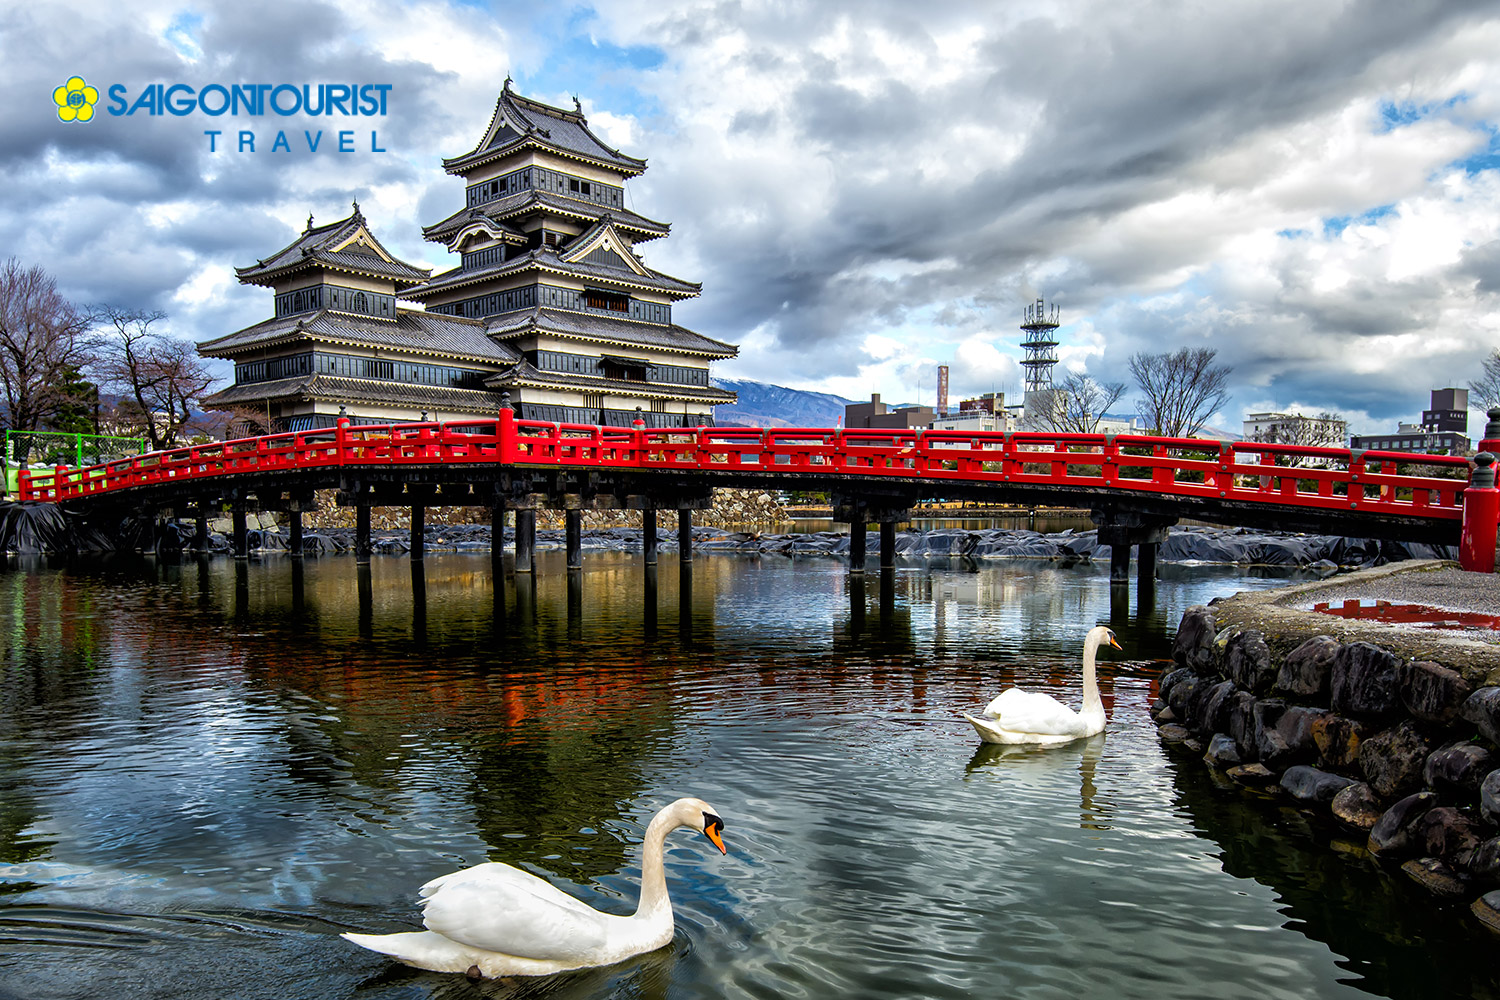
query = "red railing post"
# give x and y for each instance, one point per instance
(341, 438)
(1476, 545)
(505, 430)
(23, 484)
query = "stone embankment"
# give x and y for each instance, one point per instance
(1403, 751)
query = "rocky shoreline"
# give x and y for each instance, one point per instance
(1404, 752)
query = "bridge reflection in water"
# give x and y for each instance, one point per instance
(211, 766)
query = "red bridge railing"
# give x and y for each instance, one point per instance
(1309, 477)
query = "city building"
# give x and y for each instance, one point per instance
(551, 308)
(1294, 428)
(1443, 430)
(986, 413)
(878, 414)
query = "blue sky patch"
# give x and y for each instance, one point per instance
(182, 35)
(1337, 224)
(1399, 114)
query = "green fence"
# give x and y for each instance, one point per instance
(49, 449)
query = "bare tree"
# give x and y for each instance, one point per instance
(162, 378)
(1078, 402)
(1487, 386)
(1180, 390)
(44, 340)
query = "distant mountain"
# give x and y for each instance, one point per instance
(764, 405)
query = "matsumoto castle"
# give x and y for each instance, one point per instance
(550, 306)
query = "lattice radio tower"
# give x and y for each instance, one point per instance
(1040, 345)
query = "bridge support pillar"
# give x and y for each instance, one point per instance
(362, 533)
(200, 532)
(648, 535)
(294, 537)
(573, 533)
(241, 549)
(857, 532)
(525, 539)
(887, 544)
(497, 539)
(1145, 567)
(1122, 529)
(685, 536)
(418, 532)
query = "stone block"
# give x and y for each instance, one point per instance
(1356, 806)
(1283, 733)
(1194, 646)
(1170, 680)
(1206, 707)
(1305, 673)
(1239, 722)
(1308, 784)
(1445, 831)
(1457, 770)
(1484, 863)
(1173, 733)
(1222, 751)
(1392, 760)
(1248, 662)
(1437, 877)
(1364, 682)
(1431, 692)
(1391, 836)
(1181, 692)
(1489, 798)
(1252, 774)
(1482, 710)
(1337, 739)
(1487, 909)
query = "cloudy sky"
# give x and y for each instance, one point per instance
(867, 189)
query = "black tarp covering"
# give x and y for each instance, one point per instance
(45, 528)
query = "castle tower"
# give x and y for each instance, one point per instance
(550, 267)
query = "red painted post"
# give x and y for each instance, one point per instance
(23, 484)
(505, 430)
(1476, 546)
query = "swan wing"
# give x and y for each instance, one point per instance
(499, 908)
(1032, 712)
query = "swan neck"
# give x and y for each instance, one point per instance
(1091, 699)
(653, 872)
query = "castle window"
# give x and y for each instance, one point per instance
(607, 300)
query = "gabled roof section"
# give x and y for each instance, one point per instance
(502, 210)
(605, 330)
(414, 332)
(520, 121)
(601, 245)
(543, 261)
(346, 245)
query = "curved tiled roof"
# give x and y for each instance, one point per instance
(341, 389)
(523, 202)
(520, 121)
(414, 331)
(315, 249)
(525, 374)
(546, 259)
(591, 327)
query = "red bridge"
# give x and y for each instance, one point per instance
(1134, 486)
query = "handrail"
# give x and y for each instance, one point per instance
(1298, 475)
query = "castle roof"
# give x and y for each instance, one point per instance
(341, 389)
(414, 331)
(594, 328)
(502, 210)
(520, 122)
(346, 245)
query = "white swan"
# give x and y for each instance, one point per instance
(494, 920)
(1018, 716)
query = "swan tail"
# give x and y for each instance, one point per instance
(422, 949)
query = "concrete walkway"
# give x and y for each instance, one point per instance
(1286, 617)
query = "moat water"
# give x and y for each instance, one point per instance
(210, 770)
